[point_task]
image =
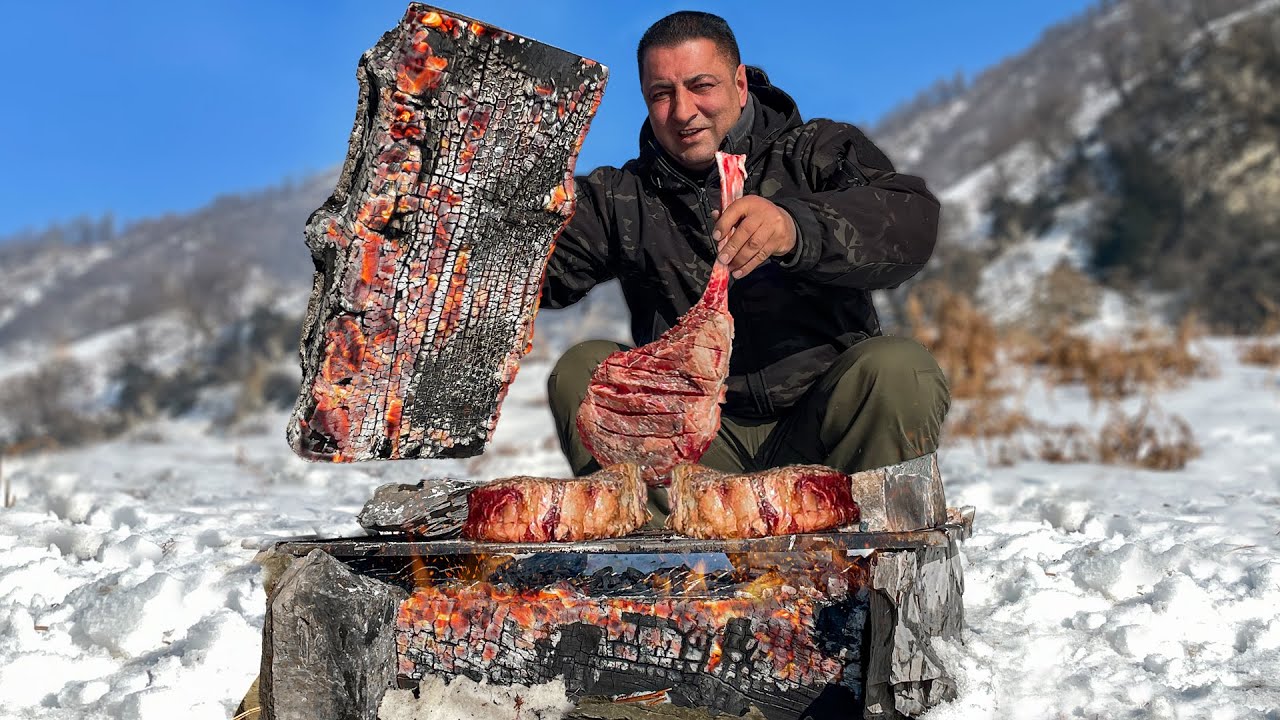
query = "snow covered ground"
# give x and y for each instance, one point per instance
(127, 588)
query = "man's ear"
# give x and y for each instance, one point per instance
(740, 80)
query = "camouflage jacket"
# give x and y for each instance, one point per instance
(862, 226)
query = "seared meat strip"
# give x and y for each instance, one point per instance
(609, 503)
(709, 504)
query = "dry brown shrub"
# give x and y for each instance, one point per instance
(1264, 350)
(980, 363)
(962, 339)
(1072, 443)
(972, 354)
(1258, 352)
(986, 418)
(1150, 439)
(1110, 369)
(1064, 295)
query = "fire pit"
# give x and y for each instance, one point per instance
(821, 625)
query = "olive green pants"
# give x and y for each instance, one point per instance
(881, 402)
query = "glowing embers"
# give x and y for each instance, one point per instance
(430, 251)
(771, 629)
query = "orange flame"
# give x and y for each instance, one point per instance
(782, 618)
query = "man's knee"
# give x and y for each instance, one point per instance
(897, 371)
(567, 384)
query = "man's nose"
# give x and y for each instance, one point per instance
(683, 108)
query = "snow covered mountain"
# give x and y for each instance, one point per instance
(1122, 146)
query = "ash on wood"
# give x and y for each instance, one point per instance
(328, 644)
(432, 508)
(430, 252)
(918, 596)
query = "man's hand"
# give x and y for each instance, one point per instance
(750, 231)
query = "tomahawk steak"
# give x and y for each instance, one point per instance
(659, 404)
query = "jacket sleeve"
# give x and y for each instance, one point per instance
(580, 260)
(863, 225)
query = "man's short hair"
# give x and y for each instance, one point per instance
(688, 25)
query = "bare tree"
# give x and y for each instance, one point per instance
(43, 406)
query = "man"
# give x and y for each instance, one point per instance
(824, 221)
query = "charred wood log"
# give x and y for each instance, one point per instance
(430, 252)
(917, 596)
(831, 625)
(783, 645)
(607, 709)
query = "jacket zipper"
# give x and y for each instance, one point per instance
(702, 201)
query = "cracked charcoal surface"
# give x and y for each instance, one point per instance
(430, 252)
(783, 650)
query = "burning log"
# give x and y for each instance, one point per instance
(714, 639)
(787, 627)
(430, 252)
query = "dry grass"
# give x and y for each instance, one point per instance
(1110, 369)
(1261, 352)
(961, 338)
(1149, 439)
(984, 365)
(1264, 350)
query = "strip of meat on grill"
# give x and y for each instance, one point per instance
(659, 404)
(606, 504)
(709, 504)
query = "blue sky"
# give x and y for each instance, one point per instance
(143, 107)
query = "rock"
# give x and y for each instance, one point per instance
(328, 645)
(899, 498)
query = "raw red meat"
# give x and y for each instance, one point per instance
(659, 405)
(709, 504)
(609, 503)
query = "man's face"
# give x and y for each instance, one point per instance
(695, 95)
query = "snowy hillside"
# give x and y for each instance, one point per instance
(1121, 145)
